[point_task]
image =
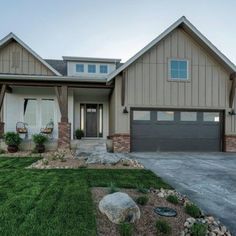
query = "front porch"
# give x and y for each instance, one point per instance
(69, 107)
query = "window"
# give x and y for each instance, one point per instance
(91, 68)
(103, 69)
(82, 117)
(211, 116)
(47, 111)
(80, 68)
(141, 115)
(178, 69)
(165, 115)
(188, 116)
(30, 111)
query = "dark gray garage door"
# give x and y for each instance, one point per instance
(159, 130)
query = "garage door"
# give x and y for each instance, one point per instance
(159, 130)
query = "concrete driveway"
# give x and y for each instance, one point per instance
(208, 179)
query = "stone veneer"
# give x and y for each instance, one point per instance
(230, 143)
(121, 142)
(2, 129)
(64, 134)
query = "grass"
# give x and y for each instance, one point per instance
(173, 199)
(193, 210)
(142, 200)
(57, 202)
(163, 227)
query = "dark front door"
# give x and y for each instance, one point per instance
(91, 120)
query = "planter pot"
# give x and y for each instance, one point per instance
(12, 148)
(109, 145)
(40, 148)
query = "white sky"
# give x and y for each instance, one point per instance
(112, 28)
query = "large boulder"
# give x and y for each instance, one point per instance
(119, 207)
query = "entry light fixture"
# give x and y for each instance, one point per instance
(125, 110)
(232, 112)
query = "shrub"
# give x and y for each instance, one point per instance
(173, 199)
(142, 200)
(113, 188)
(2, 151)
(141, 189)
(126, 229)
(198, 229)
(12, 138)
(163, 227)
(39, 139)
(192, 210)
(79, 133)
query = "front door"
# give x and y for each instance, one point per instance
(91, 120)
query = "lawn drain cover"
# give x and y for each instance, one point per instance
(165, 211)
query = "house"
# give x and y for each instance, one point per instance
(176, 94)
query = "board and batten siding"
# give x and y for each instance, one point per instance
(26, 63)
(147, 83)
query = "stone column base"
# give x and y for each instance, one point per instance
(64, 135)
(2, 124)
(230, 143)
(121, 142)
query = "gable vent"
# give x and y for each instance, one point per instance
(15, 59)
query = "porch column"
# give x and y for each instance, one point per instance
(64, 127)
(2, 95)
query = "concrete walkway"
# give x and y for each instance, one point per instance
(208, 179)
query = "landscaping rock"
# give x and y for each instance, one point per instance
(119, 207)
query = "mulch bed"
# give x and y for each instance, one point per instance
(146, 224)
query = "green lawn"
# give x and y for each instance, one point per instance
(56, 202)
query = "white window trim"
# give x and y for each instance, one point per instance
(178, 79)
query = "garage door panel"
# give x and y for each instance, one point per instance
(176, 135)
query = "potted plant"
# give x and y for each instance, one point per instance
(79, 133)
(39, 140)
(12, 140)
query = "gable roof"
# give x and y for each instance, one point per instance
(190, 29)
(12, 36)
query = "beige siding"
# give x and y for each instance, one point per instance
(28, 64)
(147, 83)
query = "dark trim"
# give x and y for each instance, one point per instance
(48, 83)
(232, 92)
(123, 89)
(221, 111)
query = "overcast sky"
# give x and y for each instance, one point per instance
(112, 28)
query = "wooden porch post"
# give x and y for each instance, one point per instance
(64, 127)
(2, 95)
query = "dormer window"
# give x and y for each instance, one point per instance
(178, 69)
(103, 69)
(91, 68)
(80, 68)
